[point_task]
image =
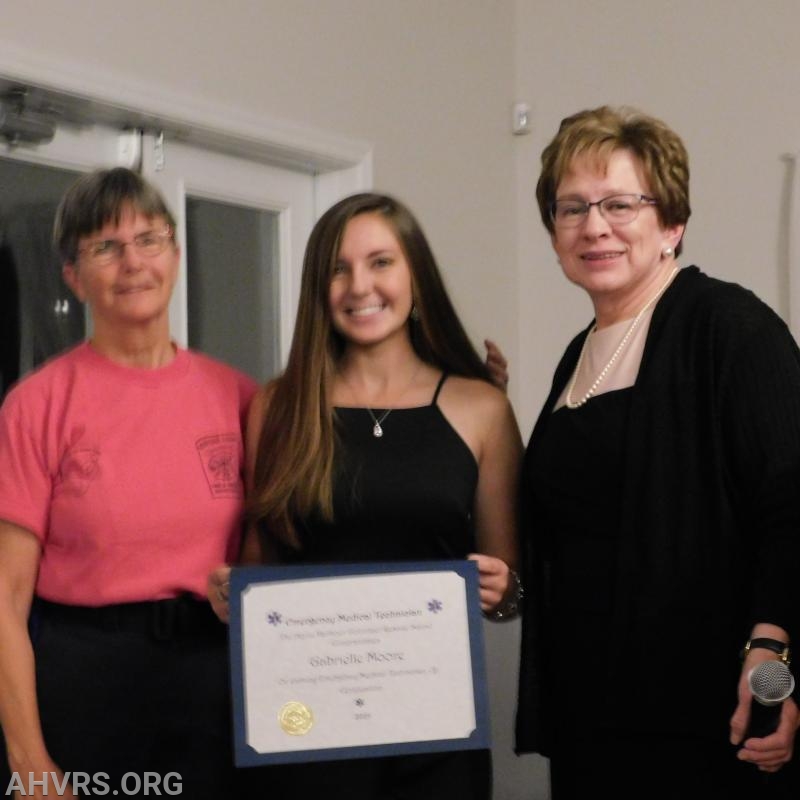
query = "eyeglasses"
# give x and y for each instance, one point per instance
(148, 245)
(618, 209)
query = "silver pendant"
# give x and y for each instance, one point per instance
(377, 431)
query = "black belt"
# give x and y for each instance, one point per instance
(163, 620)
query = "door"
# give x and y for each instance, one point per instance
(38, 315)
(244, 226)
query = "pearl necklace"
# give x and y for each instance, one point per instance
(570, 403)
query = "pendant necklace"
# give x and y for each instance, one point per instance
(377, 431)
(570, 403)
(377, 422)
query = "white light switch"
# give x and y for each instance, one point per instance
(521, 119)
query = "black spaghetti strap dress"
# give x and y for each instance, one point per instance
(404, 496)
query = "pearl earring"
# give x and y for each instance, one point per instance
(667, 252)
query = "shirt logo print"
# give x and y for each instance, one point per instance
(219, 455)
(80, 467)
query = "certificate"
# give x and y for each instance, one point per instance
(356, 660)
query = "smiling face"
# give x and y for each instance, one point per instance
(619, 265)
(370, 292)
(133, 289)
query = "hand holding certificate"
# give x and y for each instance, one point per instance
(345, 661)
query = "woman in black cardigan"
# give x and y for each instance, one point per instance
(661, 494)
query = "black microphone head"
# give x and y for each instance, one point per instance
(771, 682)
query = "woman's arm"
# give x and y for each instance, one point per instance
(498, 480)
(759, 413)
(768, 753)
(495, 512)
(483, 417)
(20, 553)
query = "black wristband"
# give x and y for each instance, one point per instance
(776, 646)
(509, 606)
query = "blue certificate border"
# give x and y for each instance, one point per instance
(242, 577)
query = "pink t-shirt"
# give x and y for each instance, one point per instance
(131, 478)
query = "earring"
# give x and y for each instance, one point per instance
(414, 314)
(667, 252)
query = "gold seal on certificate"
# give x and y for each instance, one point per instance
(296, 718)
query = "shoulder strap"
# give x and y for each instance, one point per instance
(439, 388)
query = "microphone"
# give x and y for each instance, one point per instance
(771, 683)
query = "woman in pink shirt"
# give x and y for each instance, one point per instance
(120, 487)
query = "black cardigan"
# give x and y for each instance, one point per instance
(710, 531)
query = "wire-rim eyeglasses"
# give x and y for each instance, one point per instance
(616, 209)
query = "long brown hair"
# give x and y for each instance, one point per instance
(294, 463)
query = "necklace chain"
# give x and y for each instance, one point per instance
(570, 403)
(377, 427)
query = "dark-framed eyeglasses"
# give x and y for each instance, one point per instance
(616, 209)
(147, 244)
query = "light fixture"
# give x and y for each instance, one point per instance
(19, 124)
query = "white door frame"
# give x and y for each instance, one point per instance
(340, 165)
(188, 171)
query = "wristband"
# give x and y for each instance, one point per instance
(776, 646)
(509, 606)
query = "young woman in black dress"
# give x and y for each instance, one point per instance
(383, 440)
